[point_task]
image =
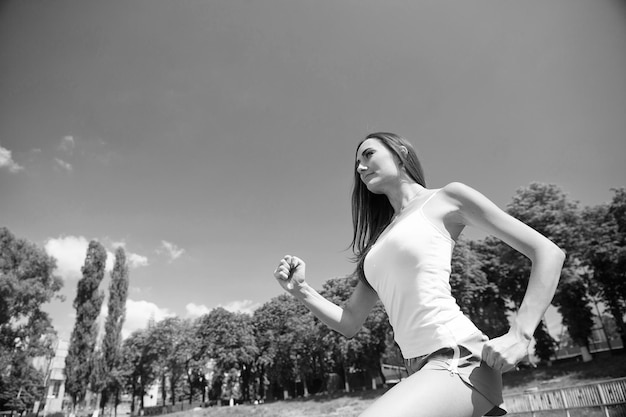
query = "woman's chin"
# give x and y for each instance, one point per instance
(373, 189)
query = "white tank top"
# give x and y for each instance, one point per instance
(409, 267)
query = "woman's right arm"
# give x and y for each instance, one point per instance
(346, 320)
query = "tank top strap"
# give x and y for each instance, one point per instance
(428, 199)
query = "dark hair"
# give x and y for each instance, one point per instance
(371, 213)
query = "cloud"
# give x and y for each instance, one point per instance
(139, 290)
(6, 161)
(120, 244)
(139, 313)
(136, 261)
(64, 165)
(194, 310)
(68, 144)
(171, 250)
(241, 306)
(70, 253)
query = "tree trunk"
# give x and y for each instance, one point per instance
(172, 393)
(584, 350)
(141, 403)
(306, 388)
(617, 313)
(132, 401)
(163, 389)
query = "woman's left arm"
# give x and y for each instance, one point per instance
(474, 209)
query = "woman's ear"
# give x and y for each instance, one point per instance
(404, 150)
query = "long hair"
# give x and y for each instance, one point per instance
(371, 213)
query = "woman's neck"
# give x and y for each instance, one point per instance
(403, 195)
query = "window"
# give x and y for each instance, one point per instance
(56, 388)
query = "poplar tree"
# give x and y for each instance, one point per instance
(118, 290)
(88, 301)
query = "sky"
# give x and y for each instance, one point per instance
(210, 138)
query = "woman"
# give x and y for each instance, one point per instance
(403, 238)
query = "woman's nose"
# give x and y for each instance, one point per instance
(361, 168)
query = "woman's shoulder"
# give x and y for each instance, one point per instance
(457, 190)
(461, 193)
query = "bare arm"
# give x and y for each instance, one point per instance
(346, 320)
(474, 209)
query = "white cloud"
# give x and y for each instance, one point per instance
(68, 144)
(171, 250)
(139, 290)
(241, 306)
(70, 253)
(194, 310)
(136, 261)
(139, 313)
(64, 165)
(6, 161)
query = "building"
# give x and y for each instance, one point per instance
(53, 369)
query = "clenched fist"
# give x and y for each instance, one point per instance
(504, 352)
(290, 272)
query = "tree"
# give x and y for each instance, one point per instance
(478, 298)
(23, 386)
(118, 290)
(365, 350)
(603, 252)
(189, 351)
(506, 271)
(229, 340)
(26, 283)
(273, 324)
(547, 209)
(138, 365)
(573, 304)
(88, 301)
(164, 338)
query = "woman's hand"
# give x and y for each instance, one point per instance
(506, 351)
(290, 272)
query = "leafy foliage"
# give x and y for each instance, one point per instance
(138, 369)
(603, 252)
(111, 344)
(26, 283)
(547, 209)
(229, 339)
(365, 350)
(88, 301)
(478, 297)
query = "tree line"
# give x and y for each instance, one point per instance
(281, 347)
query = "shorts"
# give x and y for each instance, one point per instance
(465, 360)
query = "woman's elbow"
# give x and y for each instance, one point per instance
(349, 331)
(548, 251)
(558, 255)
(555, 257)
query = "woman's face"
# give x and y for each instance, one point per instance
(377, 165)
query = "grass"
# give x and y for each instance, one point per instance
(351, 405)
